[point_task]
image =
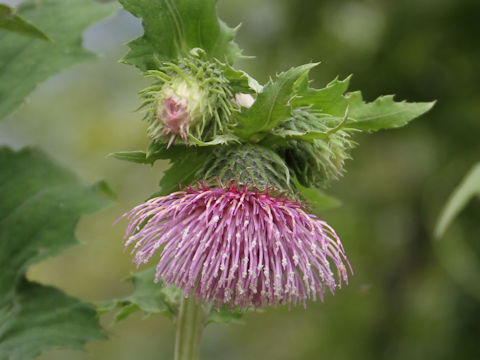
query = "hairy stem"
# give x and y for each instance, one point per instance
(190, 323)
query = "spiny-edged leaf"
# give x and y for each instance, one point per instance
(185, 165)
(328, 100)
(383, 113)
(173, 27)
(10, 21)
(316, 198)
(25, 62)
(272, 104)
(468, 188)
(147, 296)
(40, 206)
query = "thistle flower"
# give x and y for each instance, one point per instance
(237, 247)
(190, 99)
(180, 104)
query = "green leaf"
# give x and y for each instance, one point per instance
(317, 198)
(156, 299)
(272, 104)
(25, 62)
(139, 157)
(225, 316)
(185, 166)
(383, 113)
(147, 296)
(40, 206)
(468, 188)
(173, 27)
(217, 140)
(10, 21)
(328, 100)
(241, 82)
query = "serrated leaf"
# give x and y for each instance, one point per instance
(329, 100)
(383, 113)
(10, 21)
(147, 296)
(25, 62)
(173, 27)
(40, 206)
(468, 188)
(272, 104)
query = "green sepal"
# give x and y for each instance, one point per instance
(173, 27)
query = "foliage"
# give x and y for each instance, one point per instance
(64, 22)
(147, 296)
(466, 190)
(174, 27)
(41, 205)
(10, 21)
(155, 299)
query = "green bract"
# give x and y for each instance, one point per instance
(250, 165)
(192, 100)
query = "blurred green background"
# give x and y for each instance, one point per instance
(412, 297)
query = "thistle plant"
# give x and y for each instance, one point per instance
(237, 223)
(233, 227)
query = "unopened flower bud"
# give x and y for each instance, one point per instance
(190, 100)
(180, 105)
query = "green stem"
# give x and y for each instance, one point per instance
(190, 323)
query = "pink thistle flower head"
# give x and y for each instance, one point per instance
(237, 247)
